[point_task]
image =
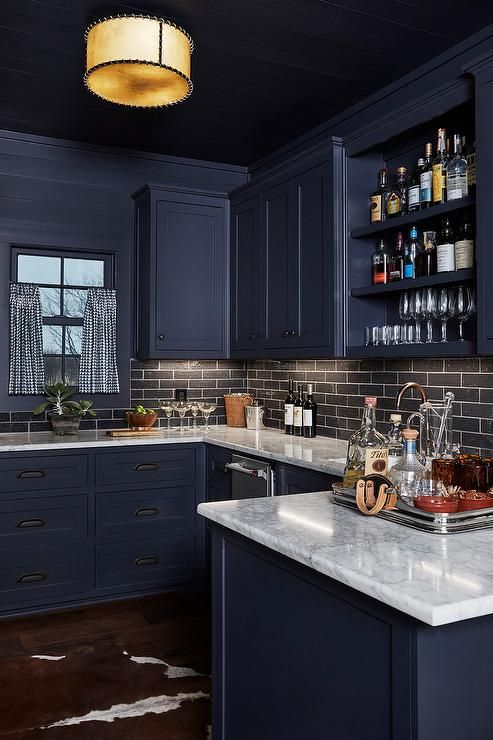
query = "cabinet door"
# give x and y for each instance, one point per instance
(312, 252)
(291, 479)
(277, 237)
(248, 287)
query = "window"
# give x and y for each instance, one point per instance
(63, 279)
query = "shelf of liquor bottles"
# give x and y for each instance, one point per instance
(428, 281)
(414, 217)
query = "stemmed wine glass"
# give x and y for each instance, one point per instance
(181, 407)
(404, 310)
(429, 310)
(446, 309)
(465, 306)
(416, 313)
(166, 406)
(194, 408)
(207, 408)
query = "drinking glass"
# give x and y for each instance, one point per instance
(194, 408)
(404, 309)
(207, 407)
(465, 306)
(415, 311)
(166, 406)
(181, 407)
(444, 310)
(429, 309)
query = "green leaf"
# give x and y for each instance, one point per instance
(39, 409)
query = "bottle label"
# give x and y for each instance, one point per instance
(438, 183)
(375, 208)
(394, 205)
(288, 414)
(413, 196)
(376, 459)
(298, 416)
(456, 187)
(426, 180)
(445, 258)
(409, 271)
(464, 254)
(307, 417)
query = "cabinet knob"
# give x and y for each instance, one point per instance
(286, 333)
(252, 336)
(162, 336)
(292, 333)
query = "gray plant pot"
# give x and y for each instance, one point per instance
(65, 423)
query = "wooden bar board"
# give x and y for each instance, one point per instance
(134, 433)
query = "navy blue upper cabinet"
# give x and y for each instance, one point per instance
(182, 274)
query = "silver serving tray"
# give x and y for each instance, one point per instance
(424, 521)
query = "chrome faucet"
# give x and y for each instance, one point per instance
(407, 386)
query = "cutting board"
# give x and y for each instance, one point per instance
(134, 433)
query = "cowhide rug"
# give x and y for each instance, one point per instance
(102, 692)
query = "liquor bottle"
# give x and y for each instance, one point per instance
(396, 263)
(309, 414)
(413, 196)
(464, 245)
(426, 180)
(440, 169)
(426, 258)
(445, 247)
(289, 409)
(397, 200)
(298, 413)
(411, 248)
(378, 199)
(380, 268)
(394, 444)
(407, 473)
(367, 452)
(457, 172)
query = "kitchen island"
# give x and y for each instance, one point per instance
(329, 624)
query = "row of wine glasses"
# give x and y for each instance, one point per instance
(168, 407)
(439, 304)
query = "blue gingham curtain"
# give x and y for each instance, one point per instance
(26, 367)
(98, 371)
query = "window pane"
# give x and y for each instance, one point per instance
(34, 269)
(50, 301)
(83, 272)
(53, 370)
(72, 370)
(74, 302)
(52, 340)
(73, 340)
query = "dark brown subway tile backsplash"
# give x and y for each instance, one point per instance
(340, 387)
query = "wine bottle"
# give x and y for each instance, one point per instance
(289, 409)
(464, 245)
(414, 187)
(446, 247)
(298, 413)
(309, 414)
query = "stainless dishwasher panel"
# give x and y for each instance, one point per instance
(251, 478)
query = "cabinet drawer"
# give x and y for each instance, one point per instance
(43, 473)
(145, 467)
(44, 574)
(33, 521)
(217, 457)
(143, 513)
(146, 563)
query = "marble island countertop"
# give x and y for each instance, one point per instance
(325, 454)
(436, 579)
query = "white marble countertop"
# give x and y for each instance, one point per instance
(436, 579)
(322, 453)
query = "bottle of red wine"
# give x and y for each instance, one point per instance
(289, 409)
(298, 413)
(309, 414)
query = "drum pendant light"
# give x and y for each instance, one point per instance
(138, 60)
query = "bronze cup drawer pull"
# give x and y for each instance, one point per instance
(147, 561)
(147, 512)
(140, 467)
(31, 474)
(24, 523)
(32, 578)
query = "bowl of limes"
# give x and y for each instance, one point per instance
(140, 418)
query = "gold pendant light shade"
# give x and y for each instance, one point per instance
(140, 61)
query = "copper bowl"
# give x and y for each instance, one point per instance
(141, 421)
(437, 504)
(471, 504)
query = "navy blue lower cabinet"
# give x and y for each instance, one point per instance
(34, 521)
(292, 479)
(297, 655)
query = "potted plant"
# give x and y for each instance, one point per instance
(141, 418)
(65, 415)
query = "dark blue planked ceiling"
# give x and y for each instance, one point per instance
(264, 70)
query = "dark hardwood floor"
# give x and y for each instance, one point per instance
(132, 670)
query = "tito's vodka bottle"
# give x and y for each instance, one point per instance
(367, 450)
